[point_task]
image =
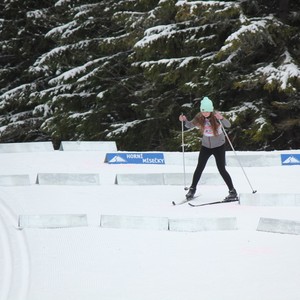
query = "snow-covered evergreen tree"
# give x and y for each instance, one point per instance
(124, 70)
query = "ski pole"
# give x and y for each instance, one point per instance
(183, 158)
(253, 191)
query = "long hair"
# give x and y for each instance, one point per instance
(199, 121)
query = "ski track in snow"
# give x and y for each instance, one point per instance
(6, 265)
(13, 245)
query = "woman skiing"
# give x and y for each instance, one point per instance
(213, 143)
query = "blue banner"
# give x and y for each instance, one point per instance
(290, 159)
(135, 158)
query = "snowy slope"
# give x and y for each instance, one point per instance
(102, 263)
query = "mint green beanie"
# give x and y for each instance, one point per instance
(206, 105)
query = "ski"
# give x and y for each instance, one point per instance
(212, 203)
(184, 201)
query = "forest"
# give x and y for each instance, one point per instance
(124, 70)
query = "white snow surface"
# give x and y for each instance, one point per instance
(283, 73)
(89, 263)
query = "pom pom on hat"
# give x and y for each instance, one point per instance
(206, 105)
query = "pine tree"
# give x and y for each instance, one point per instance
(125, 70)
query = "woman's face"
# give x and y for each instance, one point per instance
(205, 114)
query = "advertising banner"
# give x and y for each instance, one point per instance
(135, 158)
(290, 159)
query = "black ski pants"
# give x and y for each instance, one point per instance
(219, 154)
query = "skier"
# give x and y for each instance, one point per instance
(213, 143)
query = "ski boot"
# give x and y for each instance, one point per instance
(232, 196)
(191, 193)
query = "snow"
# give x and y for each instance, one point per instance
(41, 62)
(253, 27)
(80, 115)
(168, 31)
(102, 263)
(75, 72)
(246, 106)
(123, 127)
(35, 14)
(62, 2)
(210, 3)
(21, 90)
(261, 121)
(281, 74)
(64, 30)
(155, 33)
(42, 109)
(101, 94)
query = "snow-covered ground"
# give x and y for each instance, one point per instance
(91, 262)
